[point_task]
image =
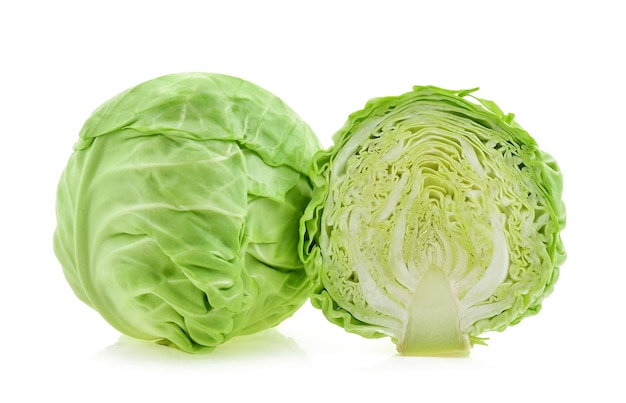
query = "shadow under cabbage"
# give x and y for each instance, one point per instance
(269, 343)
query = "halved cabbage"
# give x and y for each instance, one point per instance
(434, 219)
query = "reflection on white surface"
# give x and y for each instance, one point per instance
(266, 345)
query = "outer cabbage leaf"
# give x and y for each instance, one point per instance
(178, 211)
(435, 218)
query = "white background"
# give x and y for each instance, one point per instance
(558, 65)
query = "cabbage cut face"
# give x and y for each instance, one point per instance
(434, 219)
(179, 209)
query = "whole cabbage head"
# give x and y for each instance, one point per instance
(178, 211)
(434, 218)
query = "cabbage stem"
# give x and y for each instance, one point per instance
(432, 327)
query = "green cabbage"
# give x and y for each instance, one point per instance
(178, 211)
(434, 218)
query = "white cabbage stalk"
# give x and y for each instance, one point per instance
(433, 220)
